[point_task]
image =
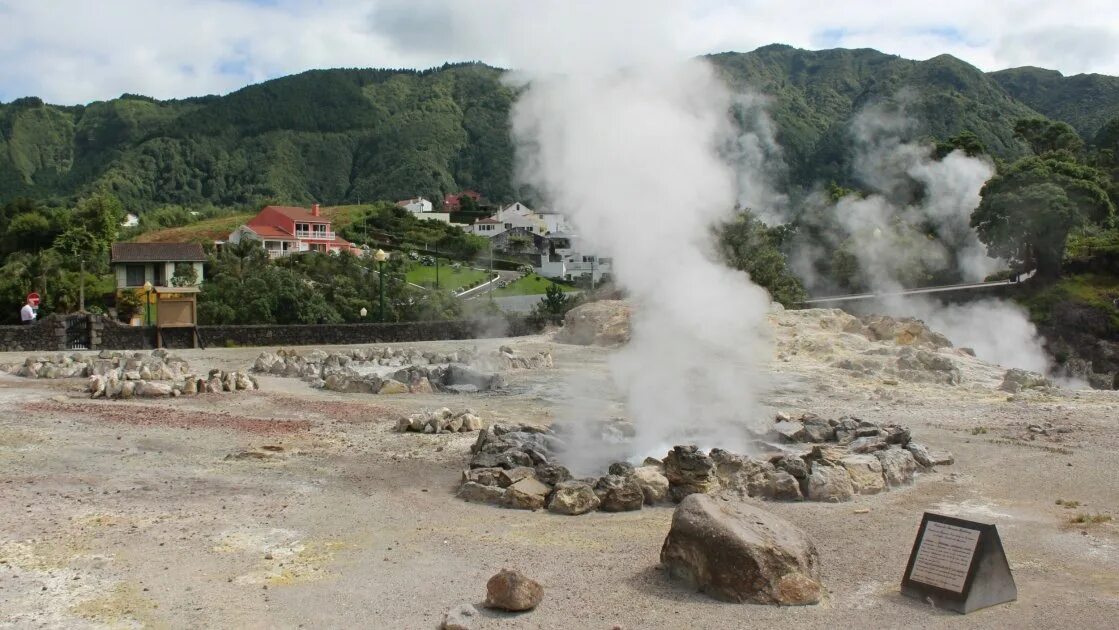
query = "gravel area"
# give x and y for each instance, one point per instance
(293, 507)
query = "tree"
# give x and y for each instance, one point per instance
(552, 307)
(747, 244)
(965, 141)
(1046, 136)
(1026, 214)
(185, 275)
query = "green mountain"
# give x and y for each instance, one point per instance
(1085, 101)
(346, 135)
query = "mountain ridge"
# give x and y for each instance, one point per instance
(344, 135)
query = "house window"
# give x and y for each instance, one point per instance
(134, 275)
(300, 227)
(588, 259)
(159, 280)
(508, 226)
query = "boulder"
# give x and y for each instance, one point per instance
(621, 468)
(601, 323)
(829, 483)
(793, 465)
(653, 483)
(512, 591)
(784, 486)
(421, 386)
(471, 422)
(742, 475)
(460, 617)
(898, 466)
(149, 389)
(1015, 380)
(689, 471)
(619, 494)
(526, 494)
(506, 478)
(478, 493)
(392, 386)
(573, 498)
(791, 431)
(865, 445)
(817, 429)
(736, 552)
(552, 474)
(865, 472)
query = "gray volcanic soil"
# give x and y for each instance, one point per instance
(173, 513)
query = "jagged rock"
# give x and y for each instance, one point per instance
(689, 471)
(791, 431)
(506, 478)
(552, 474)
(865, 472)
(573, 498)
(793, 465)
(127, 390)
(741, 474)
(785, 487)
(478, 493)
(619, 494)
(896, 434)
(484, 476)
(898, 466)
(736, 552)
(512, 591)
(865, 445)
(621, 468)
(922, 365)
(653, 483)
(829, 483)
(242, 381)
(421, 386)
(526, 494)
(817, 429)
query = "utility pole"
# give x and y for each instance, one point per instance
(436, 264)
(81, 287)
(491, 270)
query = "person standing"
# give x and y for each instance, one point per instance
(27, 314)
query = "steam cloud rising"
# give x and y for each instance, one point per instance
(634, 157)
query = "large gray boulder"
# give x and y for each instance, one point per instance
(898, 466)
(829, 483)
(619, 494)
(601, 323)
(737, 552)
(573, 498)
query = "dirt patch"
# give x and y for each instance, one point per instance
(352, 413)
(162, 417)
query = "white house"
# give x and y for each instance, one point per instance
(515, 215)
(419, 205)
(161, 264)
(567, 260)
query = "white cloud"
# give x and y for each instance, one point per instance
(75, 51)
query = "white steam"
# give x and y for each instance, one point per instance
(917, 220)
(633, 158)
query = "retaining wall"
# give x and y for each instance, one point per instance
(106, 334)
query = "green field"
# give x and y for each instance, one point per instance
(448, 278)
(531, 284)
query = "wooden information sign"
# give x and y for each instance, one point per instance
(958, 565)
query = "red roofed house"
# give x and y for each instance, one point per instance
(284, 230)
(451, 203)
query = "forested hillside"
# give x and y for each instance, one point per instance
(347, 135)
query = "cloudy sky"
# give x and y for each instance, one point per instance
(76, 51)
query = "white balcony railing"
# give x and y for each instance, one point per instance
(315, 234)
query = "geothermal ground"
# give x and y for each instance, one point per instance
(295, 507)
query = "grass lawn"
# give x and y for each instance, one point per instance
(531, 284)
(448, 277)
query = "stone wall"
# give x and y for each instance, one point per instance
(49, 334)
